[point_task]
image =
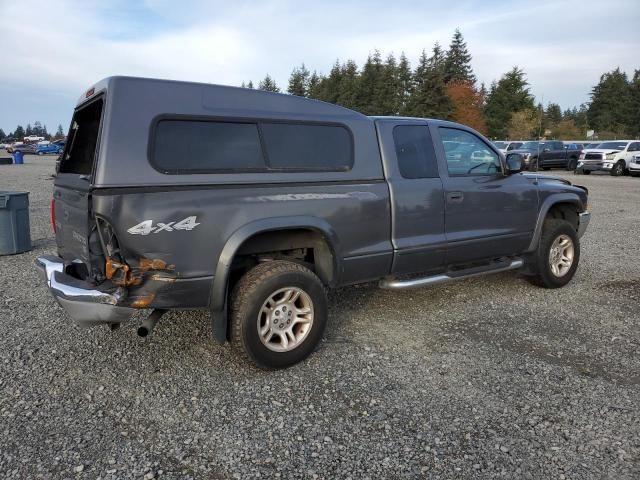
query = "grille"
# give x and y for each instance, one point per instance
(593, 156)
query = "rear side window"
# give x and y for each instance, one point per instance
(307, 147)
(414, 151)
(205, 146)
(82, 140)
(196, 146)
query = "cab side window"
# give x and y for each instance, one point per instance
(467, 154)
(414, 151)
(634, 147)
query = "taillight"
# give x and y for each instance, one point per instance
(53, 214)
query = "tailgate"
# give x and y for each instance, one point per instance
(71, 213)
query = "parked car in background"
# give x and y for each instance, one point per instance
(507, 146)
(634, 166)
(613, 157)
(25, 148)
(48, 148)
(13, 145)
(62, 142)
(548, 154)
(574, 145)
(33, 138)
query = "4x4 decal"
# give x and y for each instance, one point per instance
(147, 227)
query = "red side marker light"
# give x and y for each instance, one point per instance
(53, 215)
(90, 92)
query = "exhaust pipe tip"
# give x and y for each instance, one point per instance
(143, 331)
(150, 322)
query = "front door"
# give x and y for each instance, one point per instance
(488, 214)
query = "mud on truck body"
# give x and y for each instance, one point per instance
(250, 204)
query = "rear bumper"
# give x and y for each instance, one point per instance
(85, 305)
(584, 218)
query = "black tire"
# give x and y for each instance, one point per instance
(546, 168)
(618, 169)
(586, 172)
(39, 153)
(248, 297)
(572, 165)
(543, 275)
(533, 165)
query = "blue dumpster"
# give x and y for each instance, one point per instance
(15, 236)
(18, 157)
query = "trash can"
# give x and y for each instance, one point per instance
(15, 236)
(18, 157)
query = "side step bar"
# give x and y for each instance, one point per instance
(397, 284)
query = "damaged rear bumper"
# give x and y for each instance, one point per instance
(84, 304)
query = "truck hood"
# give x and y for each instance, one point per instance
(601, 150)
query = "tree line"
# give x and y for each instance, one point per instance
(443, 85)
(37, 129)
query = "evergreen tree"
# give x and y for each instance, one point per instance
(483, 94)
(19, 133)
(268, 84)
(509, 95)
(2, 134)
(634, 122)
(457, 66)
(328, 88)
(387, 88)
(348, 91)
(428, 97)
(313, 85)
(611, 100)
(552, 115)
(298, 81)
(28, 130)
(250, 85)
(404, 78)
(368, 101)
(243, 85)
(60, 132)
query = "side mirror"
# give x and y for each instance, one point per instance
(515, 162)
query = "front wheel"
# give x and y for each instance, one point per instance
(571, 166)
(556, 260)
(618, 169)
(39, 153)
(278, 314)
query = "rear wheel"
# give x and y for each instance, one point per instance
(278, 314)
(556, 260)
(587, 172)
(571, 166)
(618, 169)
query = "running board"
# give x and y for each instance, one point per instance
(397, 284)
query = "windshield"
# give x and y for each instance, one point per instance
(613, 145)
(500, 144)
(531, 145)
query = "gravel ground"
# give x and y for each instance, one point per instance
(483, 378)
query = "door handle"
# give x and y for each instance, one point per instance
(455, 197)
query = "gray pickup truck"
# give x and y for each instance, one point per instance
(250, 204)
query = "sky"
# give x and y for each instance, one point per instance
(56, 49)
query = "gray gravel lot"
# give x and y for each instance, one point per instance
(484, 378)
